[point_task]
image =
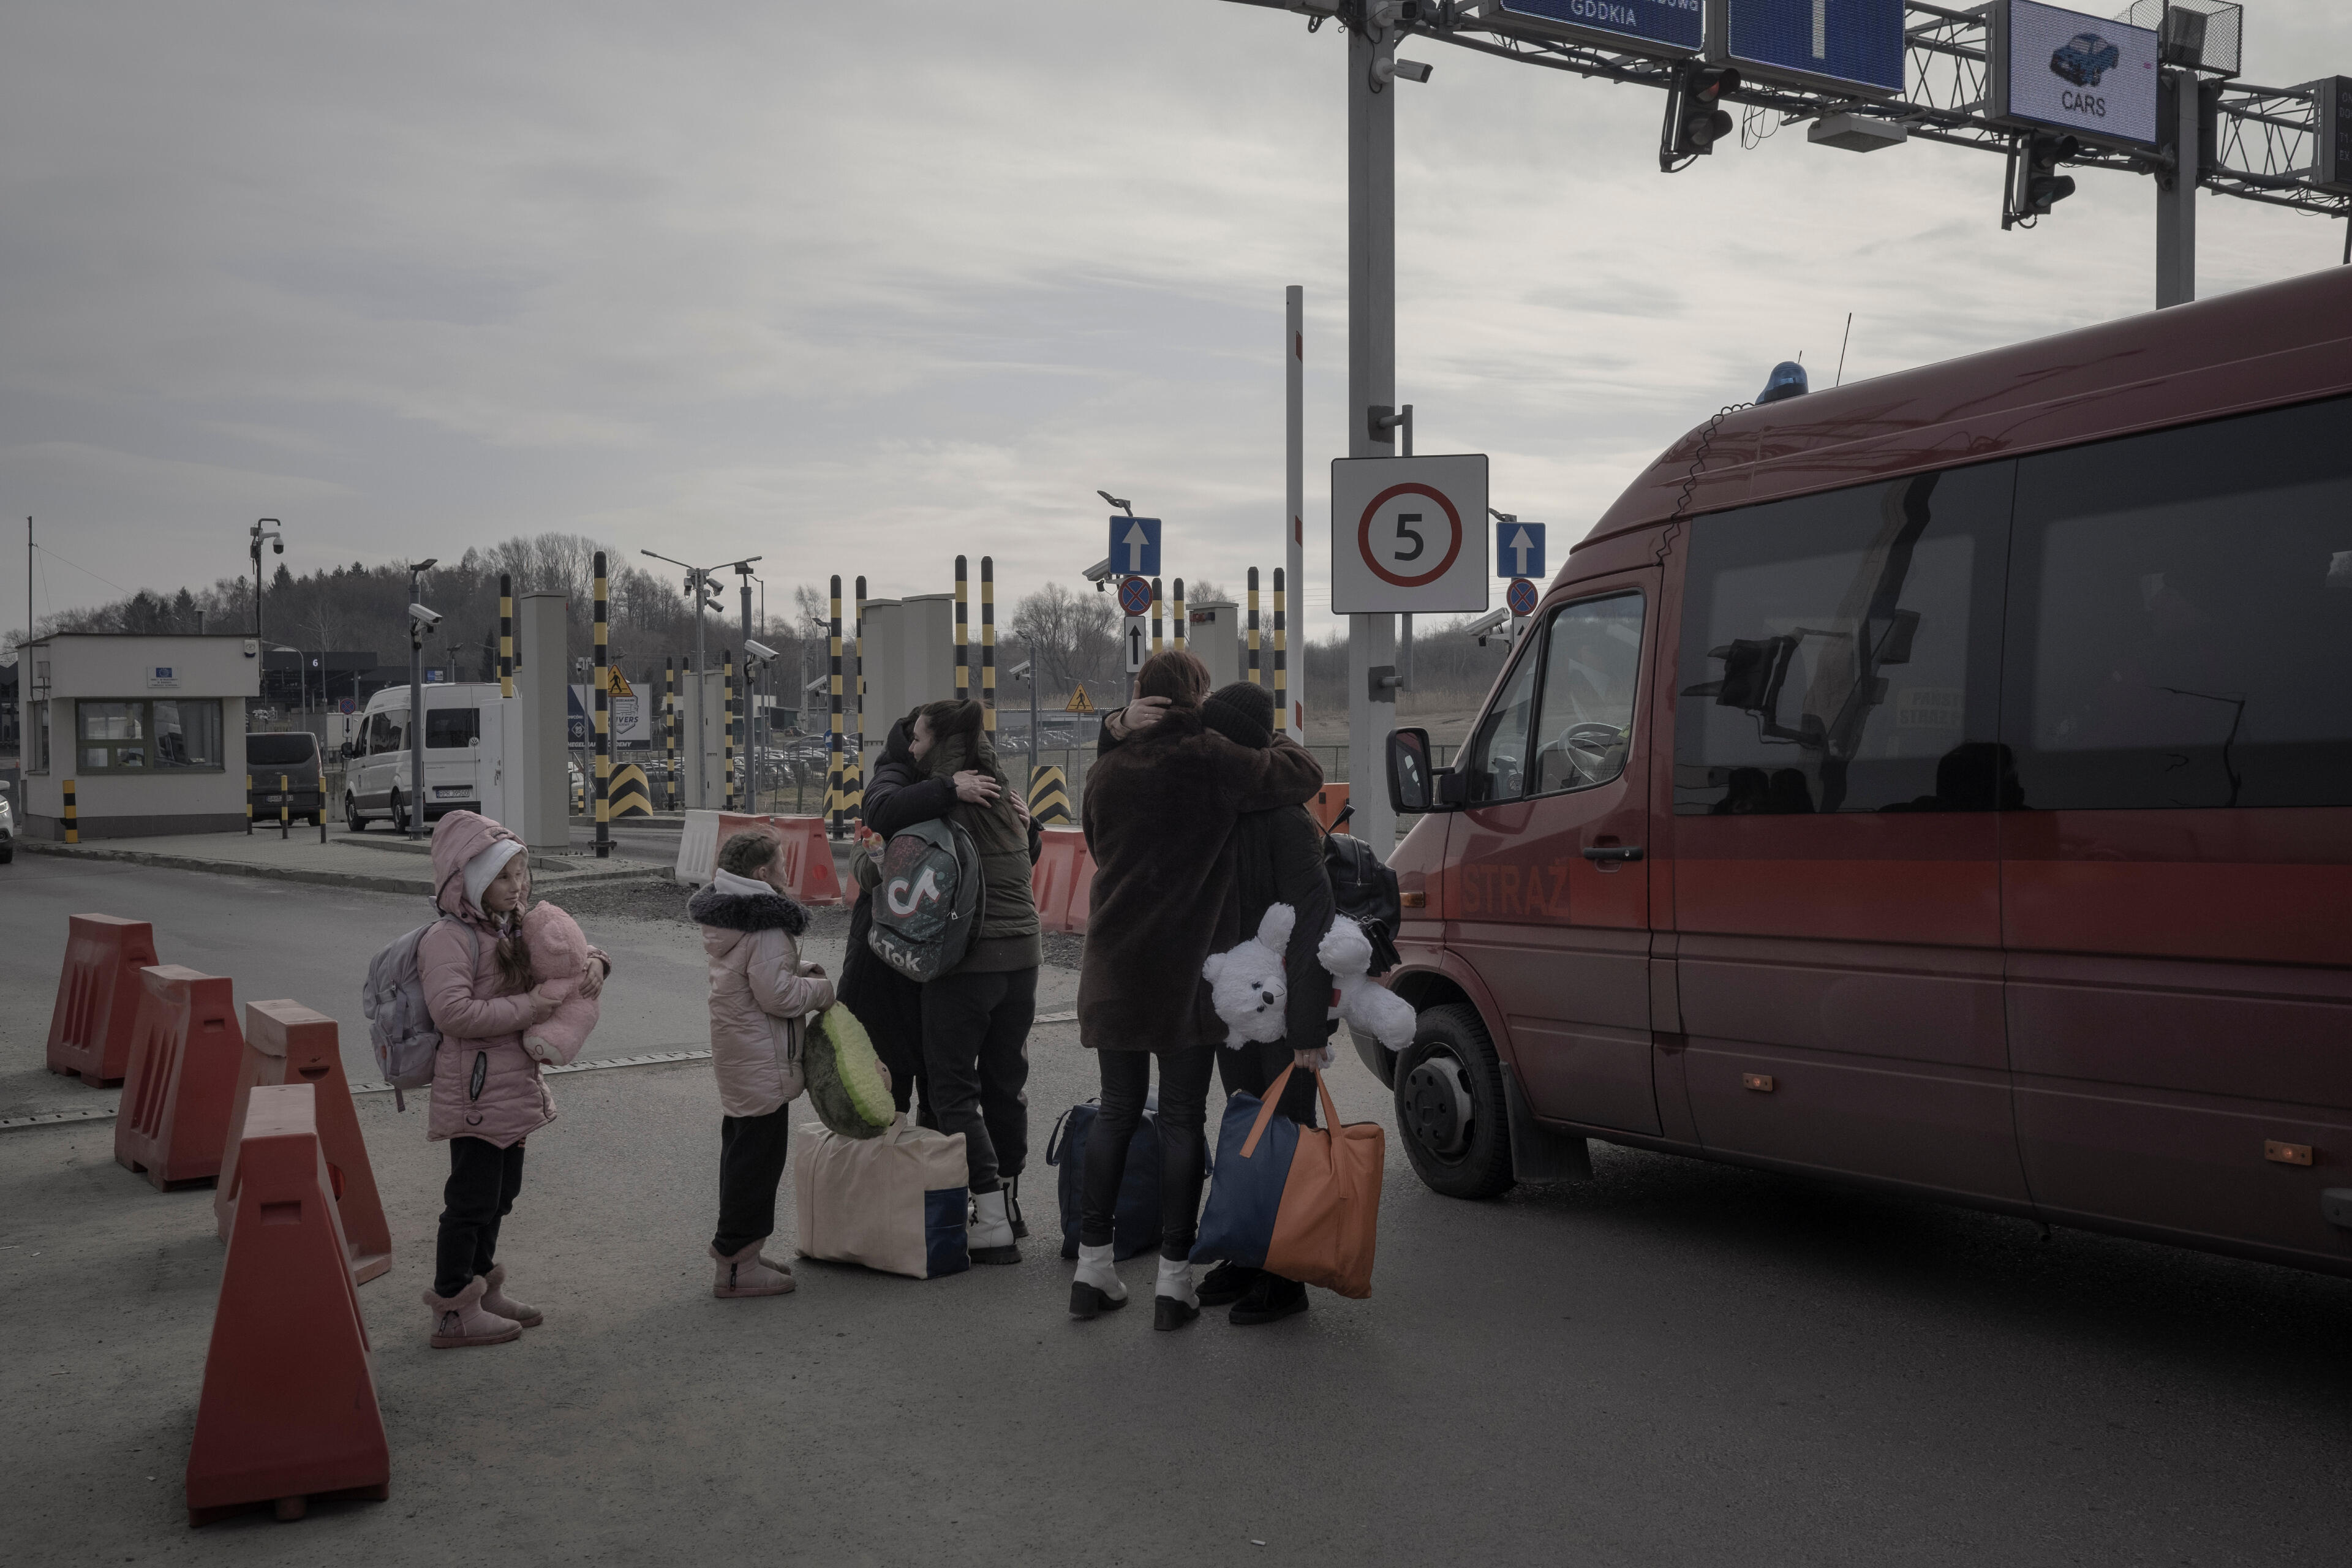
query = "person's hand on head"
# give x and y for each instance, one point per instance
(975, 787)
(1139, 716)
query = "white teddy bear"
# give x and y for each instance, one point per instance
(1248, 983)
(1362, 1001)
(1250, 991)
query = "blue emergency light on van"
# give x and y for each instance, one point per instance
(1787, 380)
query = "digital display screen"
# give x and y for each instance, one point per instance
(1850, 42)
(1680, 25)
(2078, 72)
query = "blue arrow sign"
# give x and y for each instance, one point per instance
(1519, 550)
(1857, 42)
(1135, 546)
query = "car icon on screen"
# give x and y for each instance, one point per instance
(2084, 59)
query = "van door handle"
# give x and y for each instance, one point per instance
(1612, 854)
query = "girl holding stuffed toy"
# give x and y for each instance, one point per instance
(510, 985)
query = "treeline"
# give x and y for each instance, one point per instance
(1448, 666)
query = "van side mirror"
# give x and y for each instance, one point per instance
(1413, 782)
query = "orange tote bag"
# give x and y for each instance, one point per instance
(1329, 1219)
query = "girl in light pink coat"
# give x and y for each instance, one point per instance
(509, 986)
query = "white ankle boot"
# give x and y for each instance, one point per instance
(991, 1238)
(1174, 1301)
(1096, 1288)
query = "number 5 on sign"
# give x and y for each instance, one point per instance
(1409, 534)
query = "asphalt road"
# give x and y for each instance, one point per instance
(1674, 1363)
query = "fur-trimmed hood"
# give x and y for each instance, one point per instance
(747, 911)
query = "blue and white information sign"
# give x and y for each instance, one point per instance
(1135, 546)
(1519, 548)
(1675, 26)
(2075, 71)
(1855, 44)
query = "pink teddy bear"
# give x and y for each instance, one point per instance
(559, 956)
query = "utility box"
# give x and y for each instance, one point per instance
(702, 768)
(1212, 635)
(150, 730)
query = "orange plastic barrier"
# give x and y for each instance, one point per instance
(285, 1042)
(1328, 802)
(808, 859)
(288, 1411)
(98, 997)
(1062, 879)
(184, 1053)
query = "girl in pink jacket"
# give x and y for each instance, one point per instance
(509, 986)
(761, 995)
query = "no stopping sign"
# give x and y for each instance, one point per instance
(1409, 534)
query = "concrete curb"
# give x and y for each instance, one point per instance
(364, 881)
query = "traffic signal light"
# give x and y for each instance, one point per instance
(1695, 118)
(2045, 187)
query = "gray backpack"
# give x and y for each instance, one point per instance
(927, 901)
(399, 1024)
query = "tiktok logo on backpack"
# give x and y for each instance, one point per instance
(905, 900)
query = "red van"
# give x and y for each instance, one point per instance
(1942, 784)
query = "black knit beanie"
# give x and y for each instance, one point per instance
(1242, 713)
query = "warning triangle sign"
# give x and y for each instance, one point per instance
(1078, 703)
(618, 684)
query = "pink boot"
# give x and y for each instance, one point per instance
(459, 1319)
(496, 1301)
(746, 1273)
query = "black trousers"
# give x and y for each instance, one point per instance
(1252, 1067)
(1183, 1147)
(890, 1006)
(750, 1164)
(976, 1067)
(483, 1182)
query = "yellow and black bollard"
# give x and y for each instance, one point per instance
(1155, 617)
(834, 809)
(505, 635)
(669, 728)
(73, 822)
(1180, 629)
(285, 812)
(726, 722)
(1255, 678)
(603, 719)
(852, 792)
(963, 642)
(988, 643)
(248, 805)
(1281, 660)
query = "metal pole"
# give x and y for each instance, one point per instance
(669, 726)
(1033, 754)
(987, 644)
(833, 736)
(2175, 199)
(750, 736)
(603, 610)
(701, 700)
(857, 690)
(1256, 678)
(1293, 549)
(1371, 398)
(415, 706)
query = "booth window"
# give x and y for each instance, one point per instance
(175, 735)
(37, 737)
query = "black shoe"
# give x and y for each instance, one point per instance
(1012, 1209)
(1271, 1300)
(1169, 1314)
(1227, 1282)
(1086, 1301)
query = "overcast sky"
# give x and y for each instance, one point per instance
(858, 286)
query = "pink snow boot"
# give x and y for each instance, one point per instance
(459, 1321)
(746, 1273)
(496, 1301)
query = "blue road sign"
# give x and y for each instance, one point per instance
(1519, 550)
(1135, 546)
(1135, 596)
(1850, 42)
(1521, 597)
(1678, 24)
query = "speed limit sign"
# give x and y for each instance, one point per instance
(1409, 534)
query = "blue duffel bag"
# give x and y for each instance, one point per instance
(1135, 1223)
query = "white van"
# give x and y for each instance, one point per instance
(377, 780)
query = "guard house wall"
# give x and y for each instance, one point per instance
(70, 667)
(1213, 634)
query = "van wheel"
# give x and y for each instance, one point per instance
(1450, 1108)
(353, 821)
(399, 814)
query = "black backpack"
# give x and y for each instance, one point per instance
(928, 900)
(1364, 891)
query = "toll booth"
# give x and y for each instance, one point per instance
(1214, 635)
(149, 729)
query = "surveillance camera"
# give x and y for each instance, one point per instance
(423, 620)
(278, 545)
(1412, 71)
(760, 651)
(1100, 574)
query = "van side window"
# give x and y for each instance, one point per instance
(1840, 652)
(2180, 615)
(1584, 725)
(383, 732)
(452, 727)
(1496, 760)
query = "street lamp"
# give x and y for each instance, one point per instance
(701, 590)
(255, 534)
(422, 623)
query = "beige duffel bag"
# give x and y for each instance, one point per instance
(894, 1202)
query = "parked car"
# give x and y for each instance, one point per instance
(1941, 783)
(8, 830)
(2083, 58)
(291, 756)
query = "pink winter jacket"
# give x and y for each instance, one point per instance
(485, 1085)
(760, 993)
